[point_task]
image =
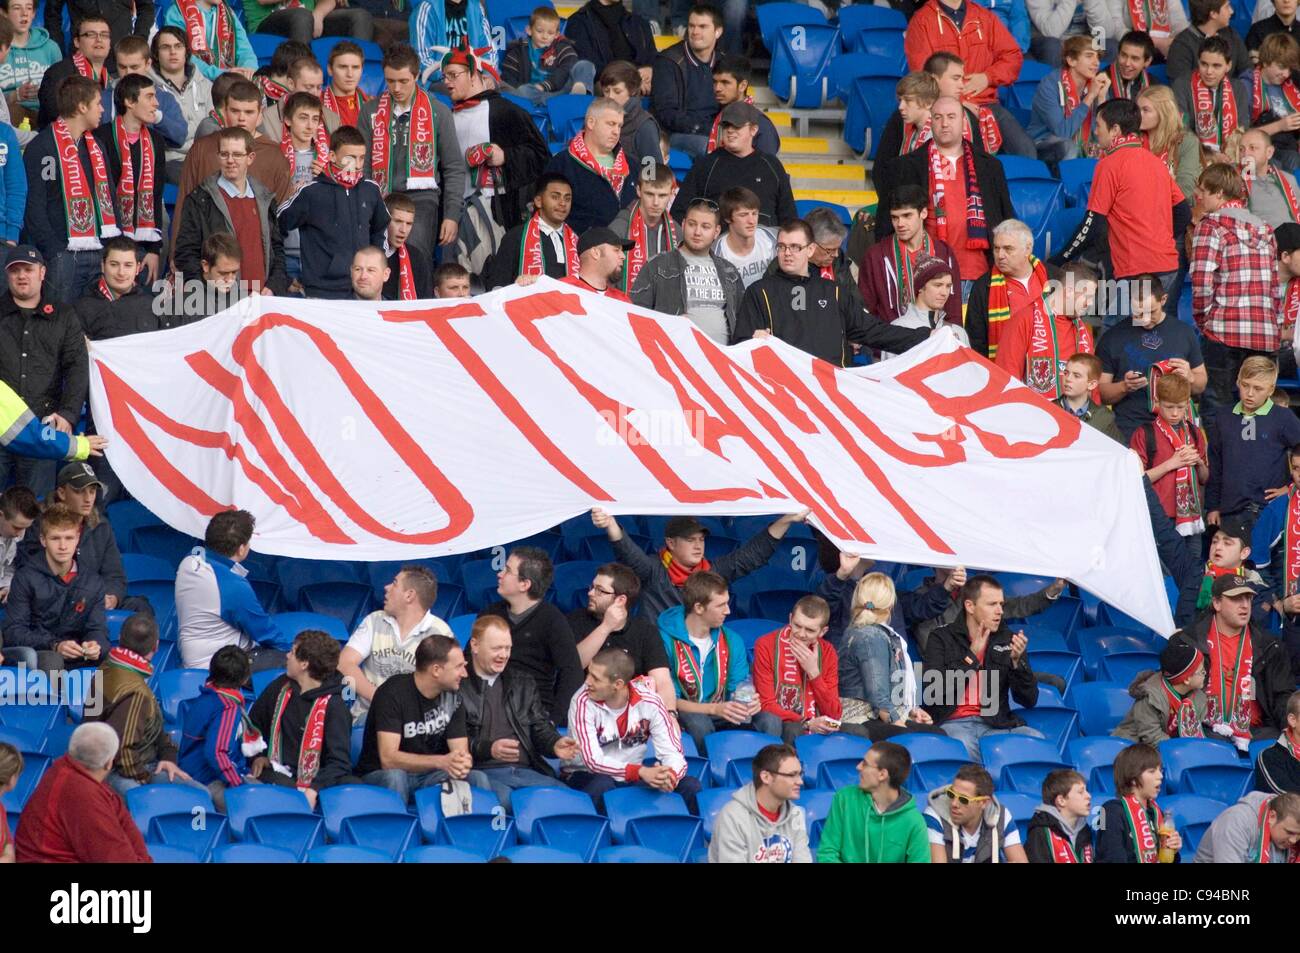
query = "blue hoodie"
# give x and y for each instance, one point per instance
(27, 64)
(680, 649)
(212, 739)
(13, 184)
(431, 42)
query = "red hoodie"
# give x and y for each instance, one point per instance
(73, 818)
(824, 689)
(983, 43)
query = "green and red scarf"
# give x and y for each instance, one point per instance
(1262, 850)
(129, 661)
(1119, 89)
(196, 30)
(615, 175)
(1183, 721)
(690, 674)
(1063, 851)
(905, 266)
(1187, 493)
(421, 145)
(88, 205)
(1229, 704)
(348, 110)
(1146, 840)
(531, 261)
(1259, 106)
(639, 233)
(1044, 360)
(790, 681)
(87, 69)
(313, 736)
(1291, 538)
(1071, 97)
(320, 142)
(1152, 16)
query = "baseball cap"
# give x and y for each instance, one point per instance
(1231, 586)
(739, 114)
(1234, 528)
(1288, 237)
(28, 254)
(78, 476)
(680, 526)
(594, 237)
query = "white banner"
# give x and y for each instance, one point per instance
(403, 429)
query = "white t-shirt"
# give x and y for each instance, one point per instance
(705, 644)
(706, 299)
(751, 266)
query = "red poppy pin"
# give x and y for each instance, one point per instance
(80, 606)
(48, 309)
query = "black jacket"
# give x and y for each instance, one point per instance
(43, 358)
(132, 313)
(822, 318)
(592, 41)
(1114, 840)
(533, 730)
(421, 273)
(1271, 668)
(914, 169)
(517, 63)
(682, 92)
(594, 201)
(118, 13)
(977, 314)
(43, 610)
(891, 141)
(1277, 771)
(47, 95)
(104, 136)
(502, 268)
(97, 554)
(1038, 841)
(333, 223)
(720, 170)
(45, 223)
(336, 751)
(546, 651)
(948, 650)
(205, 213)
(526, 156)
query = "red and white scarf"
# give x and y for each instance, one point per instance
(717, 121)
(1146, 842)
(1071, 98)
(313, 736)
(104, 291)
(1119, 89)
(531, 261)
(87, 69)
(405, 276)
(790, 680)
(616, 175)
(1262, 850)
(483, 174)
(990, 133)
(1183, 721)
(421, 145)
(1291, 536)
(1291, 303)
(977, 237)
(1187, 494)
(137, 199)
(690, 675)
(348, 110)
(223, 57)
(274, 92)
(1151, 16)
(321, 142)
(916, 136)
(639, 253)
(1232, 699)
(1063, 850)
(336, 175)
(1259, 105)
(1215, 112)
(88, 205)
(130, 661)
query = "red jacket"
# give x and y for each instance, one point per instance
(825, 688)
(73, 818)
(983, 43)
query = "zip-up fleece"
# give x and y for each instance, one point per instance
(857, 833)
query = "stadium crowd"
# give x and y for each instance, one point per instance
(435, 181)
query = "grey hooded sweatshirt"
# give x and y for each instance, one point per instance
(742, 835)
(1231, 838)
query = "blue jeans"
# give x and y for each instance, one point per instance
(969, 731)
(1015, 141)
(583, 71)
(122, 784)
(769, 724)
(693, 145)
(508, 778)
(404, 783)
(71, 273)
(19, 655)
(596, 786)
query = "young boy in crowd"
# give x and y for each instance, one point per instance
(1128, 74)
(1248, 446)
(1213, 104)
(647, 222)
(544, 63)
(932, 287)
(409, 275)
(450, 281)
(746, 244)
(342, 96)
(1173, 453)
(909, 127)
(339, 211)
(1229, 550)
(53, 608)
(305, 145)
(1170, 703)
(1079, 382)
(1059, 832)
(217, 739)
(1132, 829)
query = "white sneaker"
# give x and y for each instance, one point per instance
(579, 89)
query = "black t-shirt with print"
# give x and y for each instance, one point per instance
(424, 724)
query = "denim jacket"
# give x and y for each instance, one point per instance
(870, 656)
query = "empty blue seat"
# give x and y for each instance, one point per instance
(479, 577)
(625, 804)
(177, 815)
(1192, 816)
(291, 623)
(567, 112)
(1181, 754)
(461, 626)
(1076, 178)
(1109, 615)
(675, 835)
(1035, 200)
(1064, 664)
(773, 16)
(816, 804)
(857, 17)
(1123, 667)
(162, 854)
(1021, 807)
(247, 801)
(1019, 96)
(345, 854)
(484, 834)
(923, 746)
(1094, 758)
(928, 775)
(1101, 706)
(1062, 615)
(296, 833)
(34, 766)
(169, 545)
(1019, 167)
(1058, 723)
(176, 686)
(572, 581)
(1097, 641)
(351, 800)
(840, 773)
(124, 516)
(1221, 782)
(434, 854)
(727, 746)
(816, 749)
(348, 602)
(1044, 637)
(632, 854)
(802, 55)
(252, 853)
(711, 801)
(1000, 751)
(554, 816)
(37, 719)
(751, 630)
(532, 854)
(293, 574)
(24, 739)
(141, 568)
(264, 45)
(387, 832)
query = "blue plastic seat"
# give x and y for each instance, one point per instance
(936, 773)
(802, 208)
(1076, 178)
(1019, 96)
(574, 531)
(387, 832)
(711, 801)
(816, 804)
(141, 568)
(1094, 758)
(1035, 200)
(264, 678)
(370, 52)
(801, 57)
(372, 79)
(1063, 615)
(176, 686)
(870, 103)
(461, 626)
(291, 623)
(1021, 807)
(532, 854)
(125, 516)
(1001, 751)
(1109, 615)
(572, 580)
(858, 17)
(1225, 783)
(483, 834)
(252, 853)
(346, 854)
(293, 574)
(727, 746)
(1123, 667)
(1179, 754)
(24, 739)
(532, 803)
(358, 742)
(625, 804)
(1020, 167)
(1101, 706)
(750, 631)
(351, 800)
(1097, 641)
(1066, 665)
(773, 16)
(34, 766)
(632, 854)
(1058, 723)
(264, 45)
(479, 577)
(177, 815)
(248, 801)
(348, 602)
(836, 774)
(924, 746)
(162, 854)
(814, 750)
(1192, 816)
(435, 854)
(1044, 637)
(37, 719)
(567, 113)
(163, 542)
(428, 810)
(675, 835)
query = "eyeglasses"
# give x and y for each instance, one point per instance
(964, 799)
(103, 35)
(458, 74)
(232, 155)
(603, 592)
(783, 248)
(789, 774)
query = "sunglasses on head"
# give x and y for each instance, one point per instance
(964, 799)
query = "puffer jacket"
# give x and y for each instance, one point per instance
(1146, 721)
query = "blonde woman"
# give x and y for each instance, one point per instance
(878, 690)
(1164, 133)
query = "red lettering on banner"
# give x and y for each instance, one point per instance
(438, 320)
(124, 403)
(459, 512)
(524, 313)
(662, 353)
(992, 394)
(780, 375)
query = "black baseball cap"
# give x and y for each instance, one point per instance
(24, 254)
(1235, 528)
(1233, 585)
(595, 237)
(682, 526)
(78, 476)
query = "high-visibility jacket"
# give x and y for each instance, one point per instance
(22, 432)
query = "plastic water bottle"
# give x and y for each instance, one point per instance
(745, 693)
